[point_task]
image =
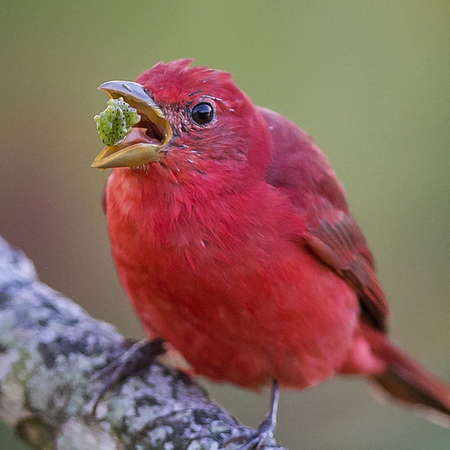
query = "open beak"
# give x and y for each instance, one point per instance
(147, 138)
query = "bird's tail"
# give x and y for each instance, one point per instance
(407, 381)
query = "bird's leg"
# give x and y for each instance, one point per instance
(137, 357)
(266, 429)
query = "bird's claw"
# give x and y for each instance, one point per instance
(139, 356)
(257, 439)
(266, 429)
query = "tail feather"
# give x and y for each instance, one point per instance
(412, 385)
(406, 380)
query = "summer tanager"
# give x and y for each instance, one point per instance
(233, 239)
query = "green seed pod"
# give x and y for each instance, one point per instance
(116, 121)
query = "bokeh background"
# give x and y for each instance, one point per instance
(370, 80)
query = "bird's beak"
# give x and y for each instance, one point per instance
(147, 138)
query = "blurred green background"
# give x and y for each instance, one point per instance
(370, 80)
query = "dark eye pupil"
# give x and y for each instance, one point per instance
(202, 113)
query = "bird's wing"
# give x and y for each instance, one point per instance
(302, 172)
(338, 241)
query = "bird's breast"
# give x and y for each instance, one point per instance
(224, 284)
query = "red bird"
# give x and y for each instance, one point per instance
(234, 242)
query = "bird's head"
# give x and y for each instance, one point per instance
(191, 118)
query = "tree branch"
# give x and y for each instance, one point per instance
(49, 351)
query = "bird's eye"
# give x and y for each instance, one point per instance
(202, 113)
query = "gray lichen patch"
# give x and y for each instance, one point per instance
(77, 435)
(203, 444)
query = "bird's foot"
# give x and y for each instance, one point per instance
(256, 440)
(137, 357)
(266, 429)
